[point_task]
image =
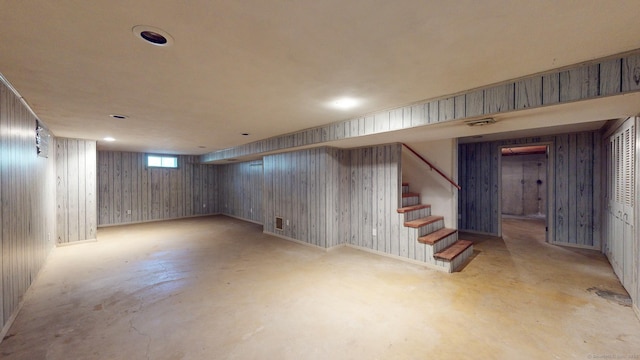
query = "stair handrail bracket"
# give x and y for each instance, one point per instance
(432, 167)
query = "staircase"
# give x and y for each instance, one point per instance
(440, 246)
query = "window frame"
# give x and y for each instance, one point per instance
(161, 157)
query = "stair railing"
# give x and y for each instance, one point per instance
(432, 167)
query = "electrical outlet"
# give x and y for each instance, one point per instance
(287, 222)
(204, 205)
(251, 210)
(128, 212)
(374, 232)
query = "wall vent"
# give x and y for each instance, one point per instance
(279, 223)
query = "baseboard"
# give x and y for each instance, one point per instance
(241, 218)
(158, 220)
(303, 243)
(76, 242)
(396, 257)
(478, 232)
(636, 310)
(577, 246)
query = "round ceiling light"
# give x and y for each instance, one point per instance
(109, 138)
(345, 103)
(152, 35)
(118, 116)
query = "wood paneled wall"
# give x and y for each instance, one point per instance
(125, 183)
(27, 198)
(576, 187)
(309, 190)
(604, 77)
(375, 197)
(76, 211)
(240, 190)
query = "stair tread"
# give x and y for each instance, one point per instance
(423, 221)
(410, 194)
(436, 236)
(454, 250)
(413, 208)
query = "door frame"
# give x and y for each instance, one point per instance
(550, 210)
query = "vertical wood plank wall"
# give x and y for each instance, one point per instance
(240, 190)
(576, 187)
(76, 198)
(309, 189)
(375, 190)
(125, 183)
(604, 77)
(27, 198)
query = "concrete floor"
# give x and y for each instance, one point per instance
(217, 288)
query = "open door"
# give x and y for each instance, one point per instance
(524, 185)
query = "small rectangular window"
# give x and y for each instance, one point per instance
(162, 161)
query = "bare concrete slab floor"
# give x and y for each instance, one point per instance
(217, 288)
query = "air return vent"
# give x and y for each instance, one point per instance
(279, 223)
(481, 122)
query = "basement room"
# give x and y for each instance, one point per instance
(319, 180)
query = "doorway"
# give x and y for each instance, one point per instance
(524, 197)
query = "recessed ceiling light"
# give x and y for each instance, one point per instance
(109, 138)
(245, 134)
(345, 103)
(152, 35)
(118, 116)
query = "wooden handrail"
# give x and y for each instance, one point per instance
(432, 166)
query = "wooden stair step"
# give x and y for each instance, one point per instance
(412, 208)
(434, 237)
(423, 221)
(454, 250)
(409, 194)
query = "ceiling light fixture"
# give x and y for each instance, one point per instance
(245, 134)
(481, 122)
(345, 103)
(152, 35)
(118, 116)
(109, 138)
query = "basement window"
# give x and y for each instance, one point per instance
(162, 161)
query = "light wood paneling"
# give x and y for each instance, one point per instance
(606, 77)
(307, 189)
(128, 191)
(27, 202)
(240, 190)
(574, 175)
(375, 188)
(76, 212)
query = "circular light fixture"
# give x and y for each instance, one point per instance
(118, 116)
(109, 138)
(152, 35)
(345, 103)
(245, 134)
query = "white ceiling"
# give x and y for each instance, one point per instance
(271, 67)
